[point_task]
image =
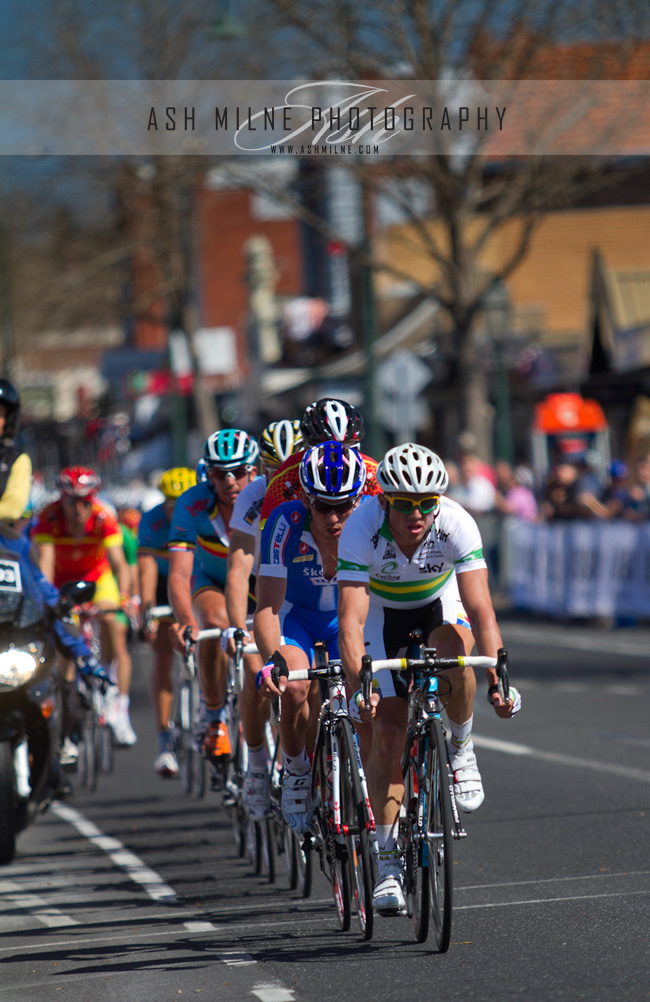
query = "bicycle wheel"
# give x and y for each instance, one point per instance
(356, 824)
(439, 835)
(106, 759)
(417, 872)
(334, 851)
(88, 753)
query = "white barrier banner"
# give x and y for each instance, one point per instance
(580, 568)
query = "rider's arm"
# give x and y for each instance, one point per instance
(270, 596)
(120, 568)
(179, 587)
(354, 602)
(46, 559)
(241, 558)
(477, 602)
(148, 574)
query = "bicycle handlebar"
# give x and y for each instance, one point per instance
(434, 665)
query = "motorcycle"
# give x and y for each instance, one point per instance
(30, 709)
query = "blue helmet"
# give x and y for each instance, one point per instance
(201, 475)
(332, 471)
(229, 448)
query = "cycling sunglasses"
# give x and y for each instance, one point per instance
(406, 505)
(237, 473)
(342, 508)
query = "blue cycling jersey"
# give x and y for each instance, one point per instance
(289, 550)
(197, 526)
(153, 537)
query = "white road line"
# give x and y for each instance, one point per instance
(554, 880)
(152, 884)
(200, 926)
(16, 895)
(273, 993)
(236, 959)
(546, 901)
(557, 758)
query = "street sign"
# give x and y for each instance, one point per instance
(401, 377)
(403, 373)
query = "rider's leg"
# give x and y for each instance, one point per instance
(162, 692)
(451, 640)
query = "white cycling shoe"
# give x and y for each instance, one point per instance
(256, 793)
(166, 765)
(468, 786)
(297, 804)
(388, 894)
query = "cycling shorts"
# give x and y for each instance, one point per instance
(303, 628)
(387, 632)
(200, 582)
(106, 591)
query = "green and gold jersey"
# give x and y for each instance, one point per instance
(368, 553)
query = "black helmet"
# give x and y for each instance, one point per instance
(9, 397)
(329, 419)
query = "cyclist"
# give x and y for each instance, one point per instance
(297, 599)
(199, 538)
(153, 567)
(324, 420)
(413, 559)
(78, 537)
(278, 441)
(15, 466)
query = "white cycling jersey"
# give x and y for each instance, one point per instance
(368, 553)
(246, 513)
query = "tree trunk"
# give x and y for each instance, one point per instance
(475, 411)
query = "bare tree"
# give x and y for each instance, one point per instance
(452, 206)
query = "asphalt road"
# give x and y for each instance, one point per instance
(137, 892)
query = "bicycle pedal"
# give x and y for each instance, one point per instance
(310, 842)
(229, 800)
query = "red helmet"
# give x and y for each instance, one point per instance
(79, 481)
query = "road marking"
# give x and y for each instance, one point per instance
(554, 880)
(273, 993)
(546, 901)
(200, 926)
(236, 959)
(40, 909)
(152, 884)
(557, 758)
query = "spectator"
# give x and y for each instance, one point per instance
(513, 497)
(637, 504)
(477, 493)
(560, 498)
(467, 446)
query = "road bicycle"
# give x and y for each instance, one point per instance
(429, 821)
(252, 835)
(96, 743)
(343, 819)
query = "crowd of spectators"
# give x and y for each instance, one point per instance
(575, 486)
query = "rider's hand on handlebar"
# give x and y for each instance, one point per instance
(176, 632)
(501, 707)
(228, 640)
(272, 679)
(366, 713)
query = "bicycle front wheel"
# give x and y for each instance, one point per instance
(356, 825)
(417, 857)
(334, 853)
(439, 835)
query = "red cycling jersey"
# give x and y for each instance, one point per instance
(78, 557)
(284, 485)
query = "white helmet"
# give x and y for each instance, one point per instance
(412, 469)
